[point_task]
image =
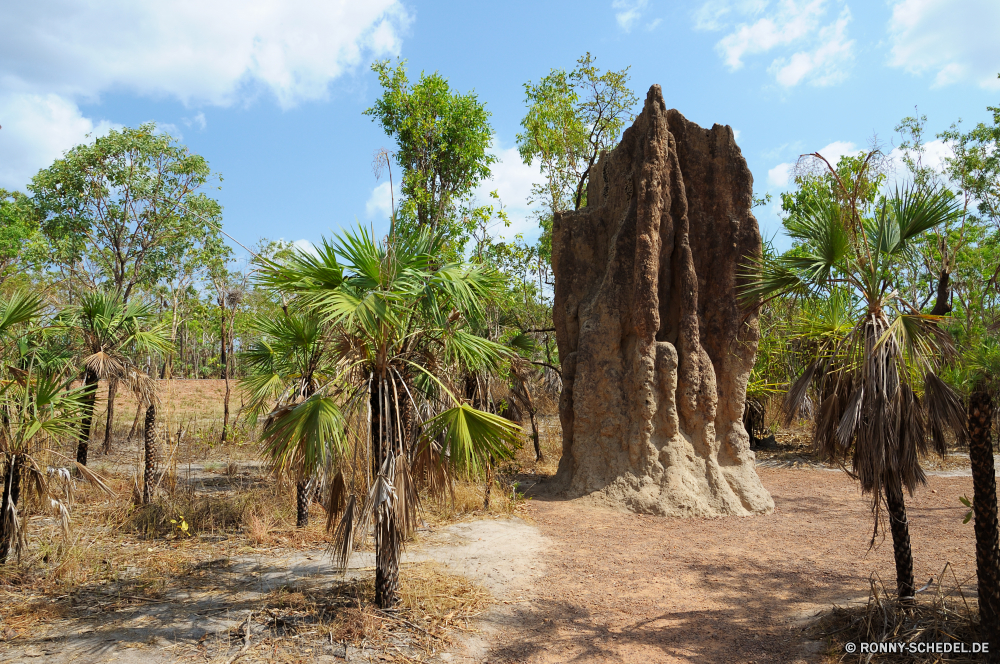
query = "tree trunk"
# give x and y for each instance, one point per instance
(387, 539)
(225, 375)
(489, 483)
(225, 413)
(224, 364)
(135, 422)
(900, 537)
(11, 495)
(984, 506)
(302, 503)
(149, 454)
(112, 389)
(941, 306)
(90, 396)
(534, 436)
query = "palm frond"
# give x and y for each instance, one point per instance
(944, 411)
(301, 439)
(918, 210)
(471, 436)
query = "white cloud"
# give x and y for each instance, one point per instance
(380, 202)
(954, 41)
(629, 12)
(822, 64)
(55, 54)
(169, 129)
(817, 49)
(711, 15)
(834, 151)
(217, 52)
(936, 152)
(780, 175)
(791, 22)
(736, 134)
(37, 129)
(512, 179)
(306, 246)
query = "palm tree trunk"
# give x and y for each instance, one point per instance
(900, 536)
(149, 454)
(11, 494)
(302, 503)
(387, 539)
(984, 505)
(90, 383)
(112, 389)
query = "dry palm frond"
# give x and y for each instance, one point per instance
(944, 616)
(343, 539)
(141, 385)
(15, 529)
(944, 410)
(88, 474)
(381, 499)
(65, 480)
(429, 471)
(797, 393)
(104, 364)
(407, 501)
(851, 418)
(337, 500)
(61, 512)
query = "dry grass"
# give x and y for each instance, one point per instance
(941, 614)
(122, 555)
(433, 603)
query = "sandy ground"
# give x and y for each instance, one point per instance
(621, 587)
(500, 554)
(580, 584)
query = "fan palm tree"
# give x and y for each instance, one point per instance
(398, 321)
(867, 379)
(285, 365)
(112, 332)
(981, 373)
(36, 407)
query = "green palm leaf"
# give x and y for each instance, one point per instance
(472, 436)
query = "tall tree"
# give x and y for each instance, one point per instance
(572, 117)
(287, 363)
(443, 140)
(21, 242)
(119, 210)
(113, 332)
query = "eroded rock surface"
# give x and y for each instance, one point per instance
(655, 348)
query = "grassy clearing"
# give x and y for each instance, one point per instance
(216, 504)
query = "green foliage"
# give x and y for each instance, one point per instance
(443, 138)
(124, 208)
(388, 309)
(572, 118)
(21, 243)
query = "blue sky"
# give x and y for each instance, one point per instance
(271, 92)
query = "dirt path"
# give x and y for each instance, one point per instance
(576, 584)
(628, 588)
